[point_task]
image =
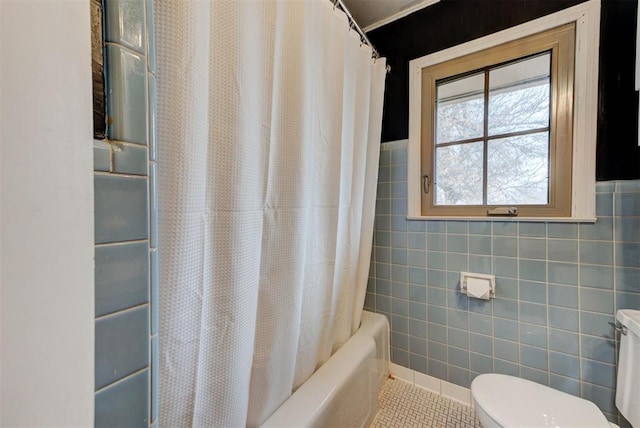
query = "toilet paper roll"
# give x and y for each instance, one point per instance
(479, 288)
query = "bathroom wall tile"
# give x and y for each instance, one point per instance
(563, 250)
(400, 324)
(533, 313)
(383, 270)
(562, 230)
(418, 345)
(458, 338)
(151, 38)
(399, 307)
(383, 304)
(418, 362)
(534, 270)
(564, 341)
(399, 222)
(417, 310)
(507, 288)
(505, 308)
(129, 159)
(457, 262)
(383, 206)
(624, 186)
(456, 300)
(533, 292)
(416, 241)
(458, 357)
(120, 209)
(369, 302)
(604, 204)
(533, 335)
(399, 191)
(101, 156)
(601, 230)
(398, 172)
(155, 379)
(596, 276)
(480, 244)
(437, 332)
(563, 273)
(436, 241)
(418, 328)
(531, 248)
(628, 279)
(627, 229)
(605, 186)
(399, 206)
(480, 227)
(437, 314)
(565, 365)
(399, 256)
(458, 319)
(596, 348)
(627, 254)
(599, 373)
(384, 172)
(400, 357)
(437, 296)
(509, 228)
(604, 398)
(627, 300)
(480, 264)
(459, 376)
(436, 278)
(399, 273)
(532, 229)
(121, 276)
(505, 329)
(479, 323)
(627, 204)
(436, 259)
(596, 324)
(505, 266)
(383, 287)
(383, 222)
(436, 226)
(506, 350)
(564, 319)
(124, 22)
(534, 375)
(417, 226)
(437, 369)
(481, 306)
(382, 254)
(596, 252)
(481, 344)
(506, 367)
(533, 357)
(457, 227)
(417, 275)
(126, 95)
(563, 295)
(480, 363)
(596, 300)
(125, 404)
(457, 243)
(383, 189)
(505, 246)
(565, 384)
(399, 341)
(418, 293)
(437, 351)
(121, 345)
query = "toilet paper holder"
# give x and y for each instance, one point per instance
(478, 285)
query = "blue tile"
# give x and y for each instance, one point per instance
(627, 229)
(437, 350)
(417, 310)
(382, 254)
(417, 259)
(418, 293)
(398, 172)
(532, 229)
(563, 295)
(627, 204)
(437, 296)
(399, 206)
(382, 238)
(534, 335)
(459, 376)
(509, 228)
(129, 159)
(151, 38)
(121, 277)
(534, 270)
(458, 338)
(533, 313)
(533, 357)
(399, 324)
(596, 276)
(563, 250)
(531, 248)
(399, 256)
(507, 247)
(383, 270)
(563, 273)
(599, 373)
(457, 262)
(399, 156)
(457, 227)
(505, 266)
(416, 241)
(564, 319)
(436, 242)
(533, 292)
(599, 349)
(457, 243)
(418, 363)
(479, 323)
(124, 23)
(418, 328)
(399, 223)
(565, 365)
(383, 222)
(101, 156)
(505, 329)
(596, 252)
(383, 287)
(505, 308)
(384, 191)
(155, 379)
(601, 230)
(437, 314)
(628, 279)
(385, 155)
(417, 226)
(479, 245)
(399, 340)
(399, 273)
(126, 86)
(507, 287)
(458, 301)
(624, 186)
(369, 302)
(436, 259)
(400, 357)
(436, 278)
(481, 306)
(627, 254)
(604, 398)
(562, 230)
(534, 375)
(437, 369)
(399, 191)
(481, 363)
(480, 227)
(384, 173)
(125, 404)
(458, 319)
(383, 206)
(383, 304)
(627, 300)
(564, 341)
(437, 332)
(120, 205)
(605, 186)
(121, 345)
(505, 367)
(458, 357)
(565, 384)
(436, 226)
(481, 344)
(604, 204)
(596, 324)
(596, 300)
(418, 345)
(505, 350)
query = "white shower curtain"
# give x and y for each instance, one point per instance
(269, 119)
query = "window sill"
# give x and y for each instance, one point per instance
(499, 218)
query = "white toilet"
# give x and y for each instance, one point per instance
(503, 401)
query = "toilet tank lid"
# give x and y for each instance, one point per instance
(515, 402)
(630, 318)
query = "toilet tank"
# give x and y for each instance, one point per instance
(628, 387)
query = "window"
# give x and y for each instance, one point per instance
(506, 124)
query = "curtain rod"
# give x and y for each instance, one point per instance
(354, 25)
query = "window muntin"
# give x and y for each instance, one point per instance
(511, 106)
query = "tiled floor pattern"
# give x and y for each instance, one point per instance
(405, 405)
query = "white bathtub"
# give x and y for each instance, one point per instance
(344, 391)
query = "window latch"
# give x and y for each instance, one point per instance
(503, 211)
(425, 183)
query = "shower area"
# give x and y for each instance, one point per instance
(235, 196)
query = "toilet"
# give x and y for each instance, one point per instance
(503, 401)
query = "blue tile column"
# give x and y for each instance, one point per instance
(126, 345)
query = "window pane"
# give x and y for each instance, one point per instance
(459, 174)
(460, 109)
(519, 95)
(518, 170)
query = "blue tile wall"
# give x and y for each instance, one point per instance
(126, 236)
(557, 286)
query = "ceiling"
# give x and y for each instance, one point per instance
(371, 14)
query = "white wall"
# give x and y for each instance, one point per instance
(46, 214)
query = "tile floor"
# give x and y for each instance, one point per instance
(405, 405)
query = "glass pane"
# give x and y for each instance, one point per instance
(458, 178)
(518, 170)
(460, 109)
(519, 95)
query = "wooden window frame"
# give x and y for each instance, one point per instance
(560, 41)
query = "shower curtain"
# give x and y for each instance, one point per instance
(269, 118)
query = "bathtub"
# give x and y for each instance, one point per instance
(344, 391)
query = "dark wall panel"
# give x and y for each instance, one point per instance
(452, 22)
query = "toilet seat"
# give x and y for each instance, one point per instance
(513, 402)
